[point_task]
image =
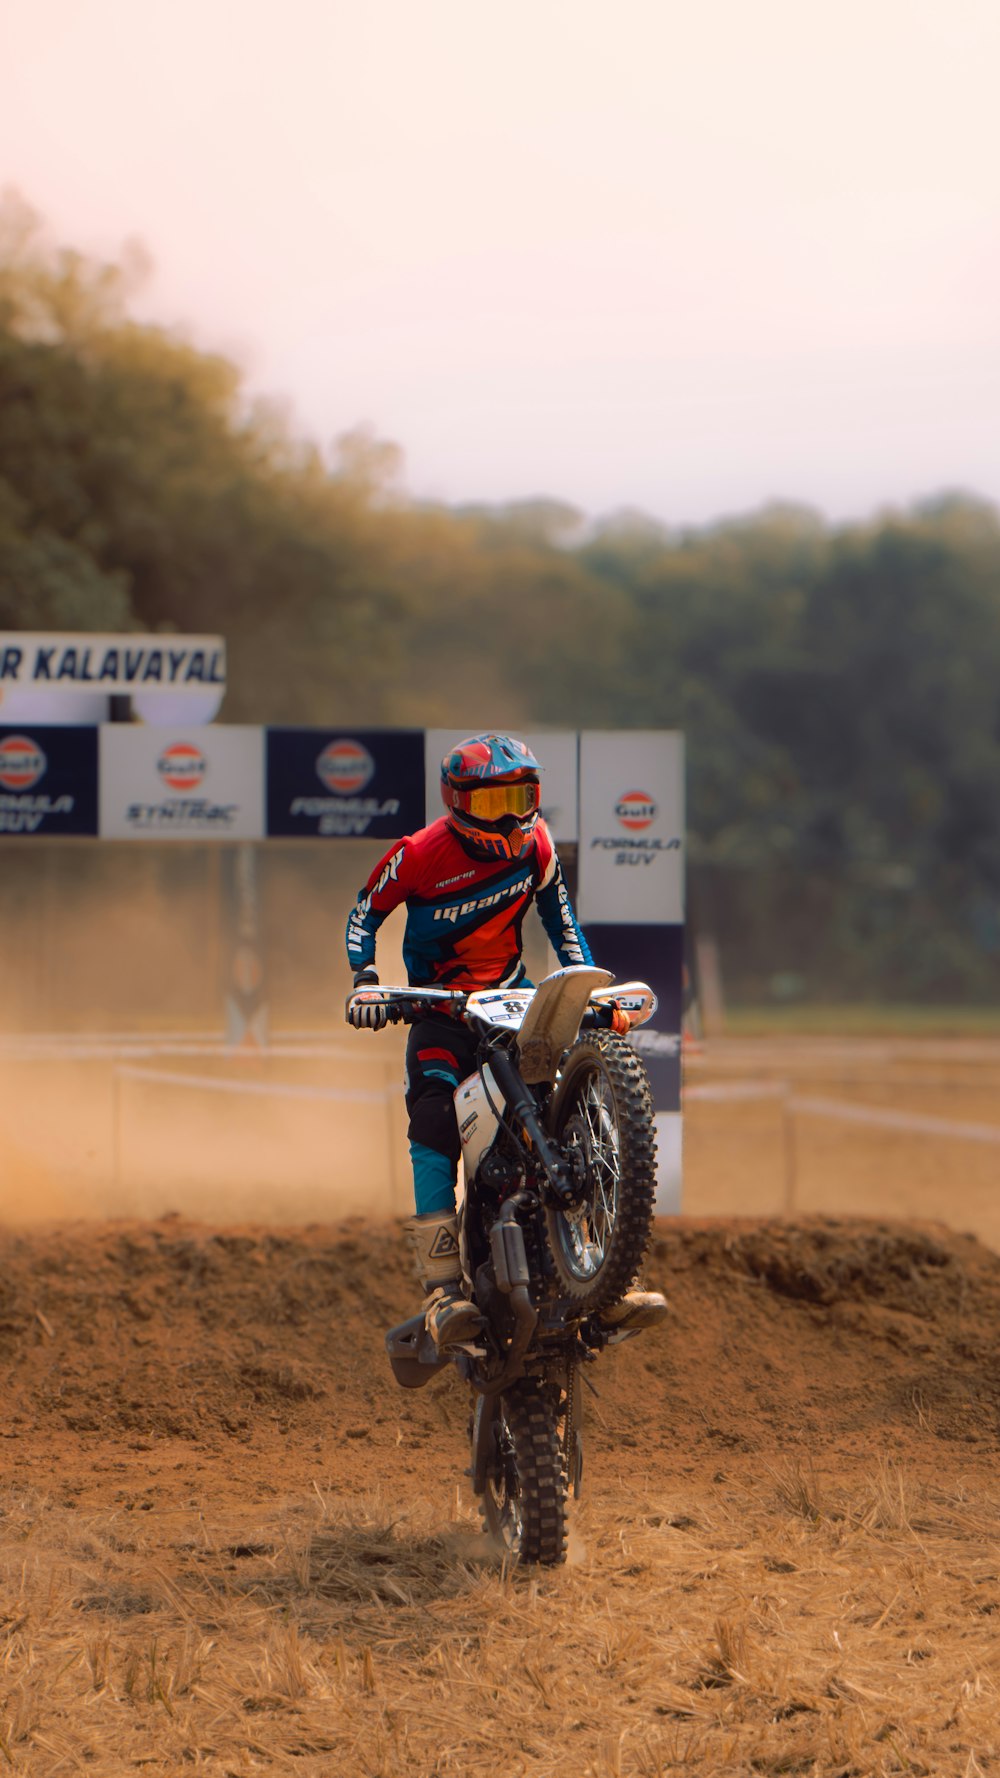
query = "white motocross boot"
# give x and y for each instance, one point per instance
(637, 1308)
(451, 1319)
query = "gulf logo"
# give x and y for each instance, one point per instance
(345, 767)
(22, 763)
(182, 766)
(636, 809)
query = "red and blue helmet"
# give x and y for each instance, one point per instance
(490, 788)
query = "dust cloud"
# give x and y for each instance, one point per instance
(119, 1092)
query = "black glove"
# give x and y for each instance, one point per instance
(366, 1011)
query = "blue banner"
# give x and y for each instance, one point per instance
(653, 954)
(48, 780)
(344, 784)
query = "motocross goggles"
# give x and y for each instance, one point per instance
(488, 802)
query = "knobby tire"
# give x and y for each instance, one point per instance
(524, 1504)
(603, 1103)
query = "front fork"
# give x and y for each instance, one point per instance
(511, 1267)
(521, 1104)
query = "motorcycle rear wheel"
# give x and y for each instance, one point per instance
(603, 1106)
(524, 1500)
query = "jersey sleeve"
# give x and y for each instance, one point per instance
(556, 909)
(384, 890)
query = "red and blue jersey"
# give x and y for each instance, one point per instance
(464, 914)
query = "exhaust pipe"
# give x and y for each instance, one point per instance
(513, 1275)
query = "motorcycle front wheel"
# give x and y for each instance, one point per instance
(603, 1109)
(524, 1496)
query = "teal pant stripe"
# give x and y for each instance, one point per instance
(434, 1177)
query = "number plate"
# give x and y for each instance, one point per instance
(502, 1006)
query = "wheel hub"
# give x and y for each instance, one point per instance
(579, 1158)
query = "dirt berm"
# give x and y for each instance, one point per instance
(782, 1334)
(246, 1348)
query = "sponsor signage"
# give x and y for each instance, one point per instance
(48, 780)
(181, 784)
(555, 753)
(631, 863)
(110, 663)
(652, 954)
(337, 784)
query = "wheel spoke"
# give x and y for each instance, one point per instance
(589, 1233)
(603, 1110)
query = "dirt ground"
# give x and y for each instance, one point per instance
(230, 1545)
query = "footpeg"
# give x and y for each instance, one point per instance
(412, 1353)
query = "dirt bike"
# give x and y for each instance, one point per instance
(558, 1148)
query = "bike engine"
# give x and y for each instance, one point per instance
(500, 1171)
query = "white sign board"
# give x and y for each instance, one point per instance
(631, 863)
(181, 784)
(107, 664)
(556, 755)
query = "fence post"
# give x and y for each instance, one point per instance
(790, 1149)
(116, 1117)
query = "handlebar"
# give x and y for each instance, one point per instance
(400, 1014)
(405, 1006)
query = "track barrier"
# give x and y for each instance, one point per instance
(794, 1105)
(255, 1088)
(155, 1060)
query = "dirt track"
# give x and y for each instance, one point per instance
(230, 1545)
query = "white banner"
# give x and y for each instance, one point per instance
(111, 663)
(556, 755)
(631, 869)
(181, 784)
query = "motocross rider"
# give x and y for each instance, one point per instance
(466, 882)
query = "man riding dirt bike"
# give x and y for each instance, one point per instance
(466, 882)
(550, 1108)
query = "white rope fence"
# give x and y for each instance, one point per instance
(793, 1105)
(885, 1118)
(289, 1092)
(843, 1110)
(137, 1058)
(116, 1048)
(255, 1088)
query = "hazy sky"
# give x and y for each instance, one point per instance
(687, 257)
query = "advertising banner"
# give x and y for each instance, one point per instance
(345, 785)
(181, 784)
(555, 753)
(111, 663)
(631, 866)
(653, 954)
(48, 780)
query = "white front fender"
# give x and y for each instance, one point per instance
(553, 1019)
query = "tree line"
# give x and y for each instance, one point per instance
(839, 685)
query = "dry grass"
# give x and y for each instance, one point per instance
(778, 1624)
